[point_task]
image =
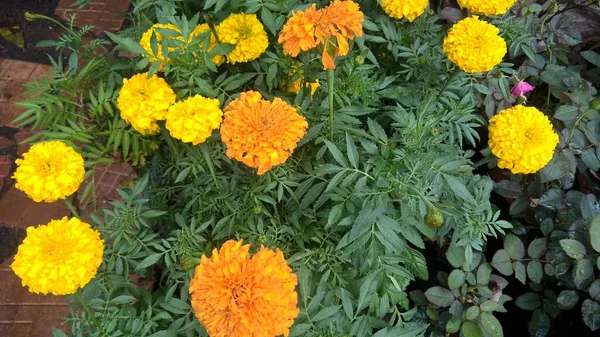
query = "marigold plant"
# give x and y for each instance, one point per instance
(234, 294)
(246, 33)
(59, 257)
(330, 27)
(193, 119)
(522, 138)
(260, 133)
(474, 45)
(409, 9)
(218, 59)
(146, 41)
(487, 7)
(49, 171)
(296, 85)
(143, 101)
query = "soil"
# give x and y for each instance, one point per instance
(12, 13)
(11, 238)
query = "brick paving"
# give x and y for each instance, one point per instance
(23, 314)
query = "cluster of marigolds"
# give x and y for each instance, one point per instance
(233, 293)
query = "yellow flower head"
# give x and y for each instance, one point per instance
(59, 257)
(409, 9)
(143, 101)
(487, 7)
(474, 45)
(146, 39)
(234, 294)
(193, 119)
(217, 60)
(260, 133)
(49, 171)
(246, 33)
(297, 84)
(522, 138)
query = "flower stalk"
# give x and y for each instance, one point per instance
(330, 84)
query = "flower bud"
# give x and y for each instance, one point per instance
(434, 218)
(595, 104)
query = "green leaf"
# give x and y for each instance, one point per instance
(337, 154)
(459, 188)
(483, 273)
(491, 325)
(590, 310)
(520, 271)
(514, 246)
(352, 152)
(528, 301)
(567, 299)
(456, 256)
(489, 306)
(470, 329)
(453, 324)
(584, 269)
(347, 303)
(595, 233)
(595, 290)
(535, 271)
(456, 279)
(127, 43)
(592, 57)
(573, 248)
(149, 261)
(502, 262)
(539, 324)
(508, 189)
(537, 248)
(326, 313)
(472, 313)
(57, 333)
(439, 296)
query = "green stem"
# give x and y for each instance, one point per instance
(169, 140)
(89, 312)
(209, 163)
(577, 122)
(34, 16)
(330, 84)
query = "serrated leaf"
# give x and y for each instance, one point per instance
(352, 151)
(459, 188)
(537, 248)
(456, 256)
(520, 271)
(439, 296)
(567, 299)
(502, 262)
(590, 310)
(483, 273)
(594, 290)
(595, 233)
(514, 246)
(573, 248)
(470, 329)
(491, 325)
(336, 153)
(535, 271)
(326, 313)
(456, 279)
(528, 301)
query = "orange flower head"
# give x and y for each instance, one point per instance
(260, 133)
(298, 33)
(344, 18)
(234, 294)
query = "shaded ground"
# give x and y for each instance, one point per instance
(12, 14)
(11, 238)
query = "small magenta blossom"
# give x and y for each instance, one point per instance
(521, 89)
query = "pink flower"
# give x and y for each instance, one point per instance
(521, 89)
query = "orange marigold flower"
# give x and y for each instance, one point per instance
(331, 27)
(298, 33)
(234, 294)
(260, 133)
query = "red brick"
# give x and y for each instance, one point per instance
(65, 4)
(8, 312)
(6, 159)
(39, 71)
(12, 208)
(48, 317)
(5, 170)
(27, 312)
(41, 213)
(17, 329)
(19, 70)
(5, 142)
(22, 148)
(23, 134)
(8, 113)
(117, 5)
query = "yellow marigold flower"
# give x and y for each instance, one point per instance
(143, 101)
(246, 33)
(522, 138)
(260, 133)
(234, 294)
(59, 257)
(193, 119)
(146, 39)
(474, 45)
(217, 60)
(409, 9)
(487, 7)
(49, 171)
(297, 84)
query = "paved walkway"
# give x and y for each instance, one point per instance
(23, 314)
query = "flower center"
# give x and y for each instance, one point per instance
(47, 168)
(241, 295)
(245, 31)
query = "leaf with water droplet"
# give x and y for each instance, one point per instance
(491, 325)
(573, 248)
